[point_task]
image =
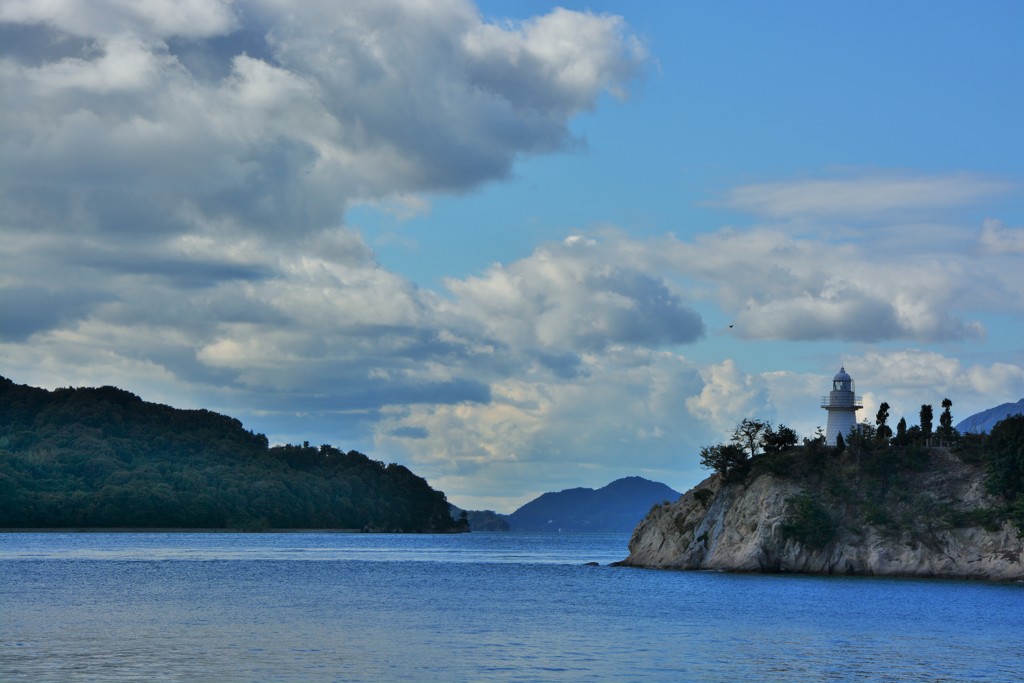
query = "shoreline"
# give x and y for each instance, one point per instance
(183, 530)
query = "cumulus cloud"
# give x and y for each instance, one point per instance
(780, 287)
(174, 180)
(727, 396)
(181, 155)
(626, 403)
(276, 116)
(576, 295)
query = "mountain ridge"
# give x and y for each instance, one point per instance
(615, 507)
(983, 421)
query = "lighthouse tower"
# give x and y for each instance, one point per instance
(842, 406)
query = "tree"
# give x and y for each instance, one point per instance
(748, 435)
(817, 439)
(778, 440)
(901, 432)
(815, 446)
(861, 438)
(729, 460)
(840, 443)
(1005, 457)
(883, 432)
(926, 421)
(946, 431)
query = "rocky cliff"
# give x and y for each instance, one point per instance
(825, 515)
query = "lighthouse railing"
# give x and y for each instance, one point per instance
(847, 401)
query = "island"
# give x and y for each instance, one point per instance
(910, 504)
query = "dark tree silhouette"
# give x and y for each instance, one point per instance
(926, 421)
(747, 435)
(883, 432)
(946, 431)
(729, 460)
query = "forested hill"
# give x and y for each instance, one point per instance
(105, 458)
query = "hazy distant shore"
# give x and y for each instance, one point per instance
(179, 530)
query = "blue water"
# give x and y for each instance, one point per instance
(470, 607)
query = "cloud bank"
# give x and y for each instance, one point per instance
(174, 180)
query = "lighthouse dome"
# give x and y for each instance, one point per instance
(842, 376)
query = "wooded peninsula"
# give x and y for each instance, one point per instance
(104, 458)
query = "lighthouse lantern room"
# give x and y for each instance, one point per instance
(842, 405)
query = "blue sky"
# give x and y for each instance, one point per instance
(503, 243)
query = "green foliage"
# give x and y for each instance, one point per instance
(777, 440)
(1005, 458)
(901, 431)
(808, 522)
(105, 458)
(970, 448)
(926, 421)
(729, 460)
(784, 463)
(704, 496)
(840, 444)
(990, 519)
(882, 430)
(748, 435)
(946, 432)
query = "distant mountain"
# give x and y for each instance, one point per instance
(616, 507)
(986, 419)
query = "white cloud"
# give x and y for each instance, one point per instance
(778, 287)
(727, 397)
(174, 179)
(295, 112)
(126, 64)
(863, 196)
(576, 295)
(623, 413)
(997, 238)
(106, 18)
(908, 378)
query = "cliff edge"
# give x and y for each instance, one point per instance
(923, 515)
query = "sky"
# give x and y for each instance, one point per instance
(517, 247)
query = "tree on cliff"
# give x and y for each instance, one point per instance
(926, 421)
(1004, 448)
(729, 460)
(946, 431)
(901, 432)
(778, 440)
(883, 432)
(748, 434)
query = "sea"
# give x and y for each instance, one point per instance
(308, 606)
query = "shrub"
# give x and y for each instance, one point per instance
(704, 496)
(808, 522)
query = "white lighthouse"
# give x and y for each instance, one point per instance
(842, 405)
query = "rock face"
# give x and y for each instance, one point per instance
(927, 529)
